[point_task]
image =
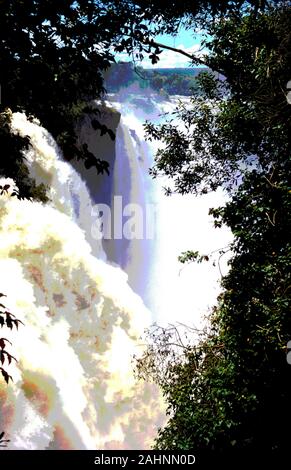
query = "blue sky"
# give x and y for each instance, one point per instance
(185, 40)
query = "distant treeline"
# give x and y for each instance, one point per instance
(170, 81)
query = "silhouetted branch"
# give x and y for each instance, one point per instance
(9, 320)
(3, 441)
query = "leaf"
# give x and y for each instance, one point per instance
(154, 58)
(17, 321)
(6, 376)
(9, 323)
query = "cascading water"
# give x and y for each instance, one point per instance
(179, 223)
(73, 385)
(133, 187)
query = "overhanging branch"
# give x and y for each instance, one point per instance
(179, 51)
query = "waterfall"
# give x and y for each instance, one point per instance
(131, 183)
(85, 301)
(171, 291)
(73, 384)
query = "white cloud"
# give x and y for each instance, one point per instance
(168, 58)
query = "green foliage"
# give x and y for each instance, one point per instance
(224, 138)
(163, 81)
(121, 75)
(8, 320)
(231, 389)
(12, 162)
(173, 84)
(229, 392)
(52, 58)
(53, 55)
(190, 256)
(50, 64)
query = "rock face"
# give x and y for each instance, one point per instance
(126, 191)
(102, 147)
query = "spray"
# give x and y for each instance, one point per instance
(73, 385)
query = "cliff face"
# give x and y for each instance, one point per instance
(102, 147)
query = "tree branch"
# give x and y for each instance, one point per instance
(179, 51)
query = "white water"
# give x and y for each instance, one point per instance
(173, 292)
(73, 385)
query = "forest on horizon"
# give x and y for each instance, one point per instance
(165, 81)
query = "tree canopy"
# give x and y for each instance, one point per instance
(229, 393)
(170, 81)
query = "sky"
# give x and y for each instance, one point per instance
(168, 59)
